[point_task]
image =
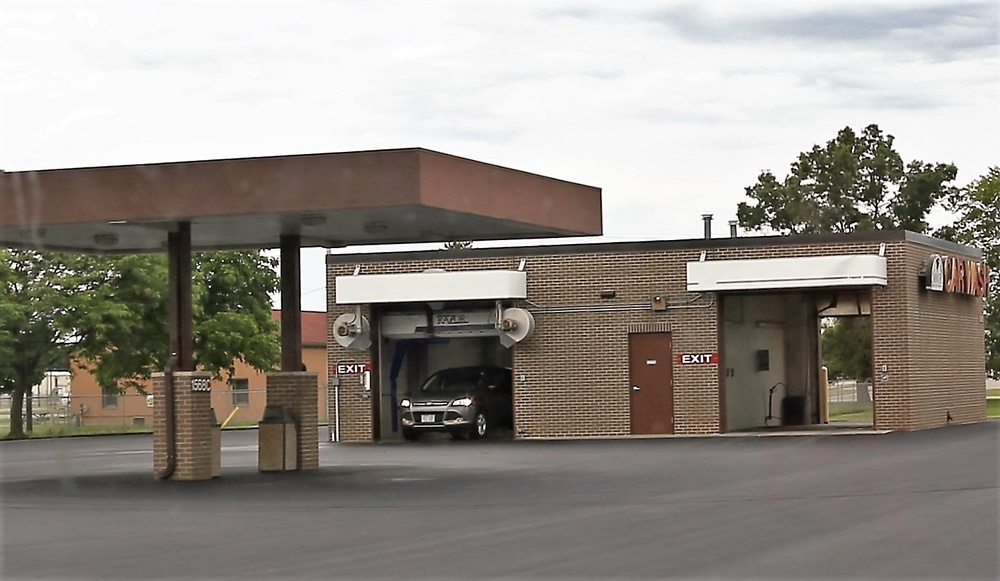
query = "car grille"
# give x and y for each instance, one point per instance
(419, 404)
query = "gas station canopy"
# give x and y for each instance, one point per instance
(329, 200)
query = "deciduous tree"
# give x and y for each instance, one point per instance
(111, 312)
(854, 182)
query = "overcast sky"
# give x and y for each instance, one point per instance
(672, 108)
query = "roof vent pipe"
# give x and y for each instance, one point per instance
(732, 228)
(707, 218)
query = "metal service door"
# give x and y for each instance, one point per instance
(651, 383)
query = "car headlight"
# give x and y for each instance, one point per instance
(463, 402)
(404, 403)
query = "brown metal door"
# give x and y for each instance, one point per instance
(651, 383)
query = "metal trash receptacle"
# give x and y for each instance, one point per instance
(277, 447)
(216, 446)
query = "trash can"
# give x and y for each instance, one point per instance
(216, 446)
(793, 410)
(277, 448)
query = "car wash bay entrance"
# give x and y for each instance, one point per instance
(426, 322)
(773, 373)
(416, 343)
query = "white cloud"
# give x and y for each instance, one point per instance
(671, 107)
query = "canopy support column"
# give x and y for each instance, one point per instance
(181, 318)
(291, 304)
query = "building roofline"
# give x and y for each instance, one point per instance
(660, 245)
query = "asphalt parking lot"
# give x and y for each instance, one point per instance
(901, 505)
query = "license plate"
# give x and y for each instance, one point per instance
(427, 418)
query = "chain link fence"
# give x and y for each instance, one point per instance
(132, 412)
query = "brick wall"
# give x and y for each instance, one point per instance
(946, 357)
(296, 391)
(193, 422)
(571, 376)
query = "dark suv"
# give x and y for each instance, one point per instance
(463, 401)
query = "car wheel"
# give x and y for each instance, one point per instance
(479, 426)
(411, 435)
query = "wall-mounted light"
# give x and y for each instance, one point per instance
(105, 240)
(608, 294)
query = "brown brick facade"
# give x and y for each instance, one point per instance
(296, 391)
(193, 422)
(576, 363)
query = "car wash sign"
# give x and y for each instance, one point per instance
(950, 274)
(697, 358)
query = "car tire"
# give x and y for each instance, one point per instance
(411, 435)
(480, 426)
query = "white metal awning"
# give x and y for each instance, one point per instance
(787, 273)
(431, 286)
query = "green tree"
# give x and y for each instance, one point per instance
(977, 207)
(854, 182)
(111, 312)
(33, 302)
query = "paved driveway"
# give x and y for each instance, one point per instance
(920, 505)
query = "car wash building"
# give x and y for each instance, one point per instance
(700, 336)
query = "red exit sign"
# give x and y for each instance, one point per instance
(697, 358)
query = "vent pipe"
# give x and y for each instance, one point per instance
(707, 218)
(732, 228)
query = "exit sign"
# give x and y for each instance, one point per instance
(697, 358)
(350, 368)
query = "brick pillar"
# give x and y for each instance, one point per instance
(297, 391)
(193, 426)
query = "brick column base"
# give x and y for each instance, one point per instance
(193, 421)
(297, 391)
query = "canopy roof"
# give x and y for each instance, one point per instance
(330, 199)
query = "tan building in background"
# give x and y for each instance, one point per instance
(246, 394)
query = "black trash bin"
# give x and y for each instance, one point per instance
(793, 410)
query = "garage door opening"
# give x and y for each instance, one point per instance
(444, 372)
(775, 346)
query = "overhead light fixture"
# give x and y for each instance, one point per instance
(312, 219)
(117, 222)
(105, 240)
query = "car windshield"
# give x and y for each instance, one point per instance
(454, 380)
